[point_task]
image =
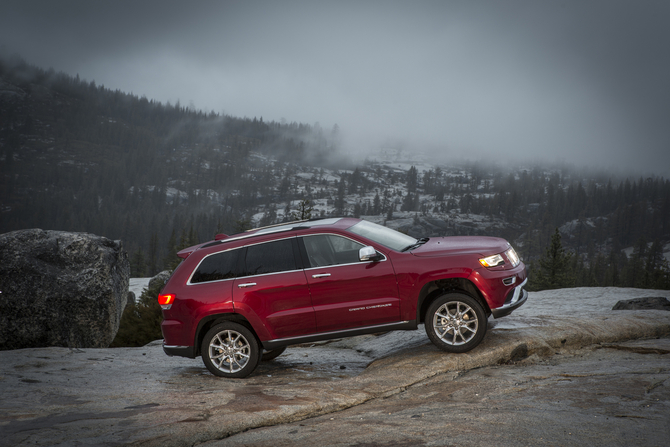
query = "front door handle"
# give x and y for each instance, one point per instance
(321, 275)
(248, 284)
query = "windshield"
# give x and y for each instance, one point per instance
(384, 236)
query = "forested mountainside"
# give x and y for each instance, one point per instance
(76, 156)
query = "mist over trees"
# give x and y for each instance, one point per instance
(77, 156)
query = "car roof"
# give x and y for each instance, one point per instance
(333, 222)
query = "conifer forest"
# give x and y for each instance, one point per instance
(77, 156)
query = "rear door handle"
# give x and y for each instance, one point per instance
(248, 284)
(321, 275)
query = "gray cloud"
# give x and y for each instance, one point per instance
(580, 81)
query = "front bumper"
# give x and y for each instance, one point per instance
(516, 298)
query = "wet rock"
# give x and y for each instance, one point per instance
(160, 279)
(416, 231)
(519, 353)
(436, 223)
(57, 396)
(649, 303)
(131, 299)
(60, 289)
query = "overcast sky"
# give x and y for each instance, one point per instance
(585, 82)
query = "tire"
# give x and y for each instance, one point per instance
(455, 322)
(272, 354)
(230, 350)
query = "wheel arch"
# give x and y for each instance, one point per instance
(206, 323)
(431, 290)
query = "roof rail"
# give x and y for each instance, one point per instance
(294, 222)
(277, 225)
(277, 228)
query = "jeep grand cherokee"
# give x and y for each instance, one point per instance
(243, 298)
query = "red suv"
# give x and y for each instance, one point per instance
(239, 299)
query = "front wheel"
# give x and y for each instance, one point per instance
(230, 350)
(455, 322)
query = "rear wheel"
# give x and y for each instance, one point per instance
(455, 322)
(230, 350)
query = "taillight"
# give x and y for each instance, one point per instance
(166, 300)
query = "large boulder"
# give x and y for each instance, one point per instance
(160, 279)
(648, 303)
(60, 289)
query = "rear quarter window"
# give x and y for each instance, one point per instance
(216, 267)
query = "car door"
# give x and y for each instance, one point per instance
(347, 293)
(273, 291)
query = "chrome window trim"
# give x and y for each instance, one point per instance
(189, 283)
(271, 273)
(342, 265)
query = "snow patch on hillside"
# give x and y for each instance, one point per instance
(137, 286)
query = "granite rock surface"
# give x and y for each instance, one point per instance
(60, 289)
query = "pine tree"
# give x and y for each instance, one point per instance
(653, 272)
(304, 211)
(412, 179)
(376, 205)
(153, 254)
(390, 210)
(555, 269)
(141, 323)
(138, 265)
(339, 199)
(170, 262)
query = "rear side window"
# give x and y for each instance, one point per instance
(216, 267)
(271, 257)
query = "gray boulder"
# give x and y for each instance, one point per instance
(60, 289)
(649, 303)
(160, 279)
(131, 299)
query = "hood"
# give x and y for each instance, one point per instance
(455, 245)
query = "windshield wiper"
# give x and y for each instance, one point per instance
(417, 244)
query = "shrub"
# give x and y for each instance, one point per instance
(141, 321)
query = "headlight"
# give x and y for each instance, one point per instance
(492, 261)
(513, 257)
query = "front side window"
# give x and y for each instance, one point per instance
(270, 257)
(329, 249)
(216, 267)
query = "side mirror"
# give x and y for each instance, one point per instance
(368, 253)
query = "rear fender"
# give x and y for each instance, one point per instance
(212, 320)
